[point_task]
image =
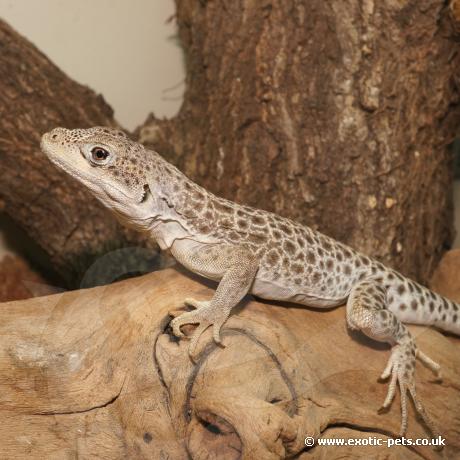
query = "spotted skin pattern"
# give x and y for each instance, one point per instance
(253, 251)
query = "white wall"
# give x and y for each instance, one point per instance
(124, 49)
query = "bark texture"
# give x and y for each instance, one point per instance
(57, 213)
(95, 374)
(337, 114)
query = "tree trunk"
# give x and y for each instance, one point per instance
(64, 219)
(337, 114)
(95, 374)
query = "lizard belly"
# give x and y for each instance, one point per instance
(272, 290)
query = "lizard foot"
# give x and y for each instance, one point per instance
(401, 367)
(205, 315)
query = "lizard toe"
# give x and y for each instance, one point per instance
(196, 337)
(401, 367)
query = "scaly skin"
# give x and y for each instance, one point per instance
(252, 251)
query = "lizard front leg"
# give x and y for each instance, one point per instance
(367, 311)
(236, 267)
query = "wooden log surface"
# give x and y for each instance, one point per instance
(95, 373)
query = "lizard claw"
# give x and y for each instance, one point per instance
(205, 315)
(401, 367)
(197, 304)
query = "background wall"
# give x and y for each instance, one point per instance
(126, 50)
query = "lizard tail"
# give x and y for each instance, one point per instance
(416, 304)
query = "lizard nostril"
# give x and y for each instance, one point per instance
(54, 136)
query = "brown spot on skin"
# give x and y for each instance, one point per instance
(444, 303)
(383, 314)
(391, 276)
(204, 228)
(226, 222)
(208, 215)
(277, 234)
(273, 257)
(257, 238)
(242, 224)
(339, 256)
(300, 256)
(327, 245)
(286, 263)
(320, 252)
(455, 307)
(329, 264)
(347, 270)
(431, 306)
(198, 206)
(422, 300)
(309, 239)
(361, 276)
(357, 263)
(289, 247)
(298, 281)
(347, 253)
(411, 288)
(403, 307)
(311, 259)
(258, 220)
(198, 195)
(401, 289)
(374, 270)
(414, 305)
(443, 317)
(454, 318)
(301, 242)
(296, 268)
(439, 308)
(432, 295)
(234, 236)
(286, 229)
(316, 277)
(390, 299)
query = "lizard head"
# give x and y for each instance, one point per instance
(104, 159)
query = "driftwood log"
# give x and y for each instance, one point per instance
(95, 373)
(337, 114)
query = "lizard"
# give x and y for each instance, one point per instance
(248, 250)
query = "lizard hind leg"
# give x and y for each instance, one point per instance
(366, 311)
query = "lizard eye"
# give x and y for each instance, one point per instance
(99, 155)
